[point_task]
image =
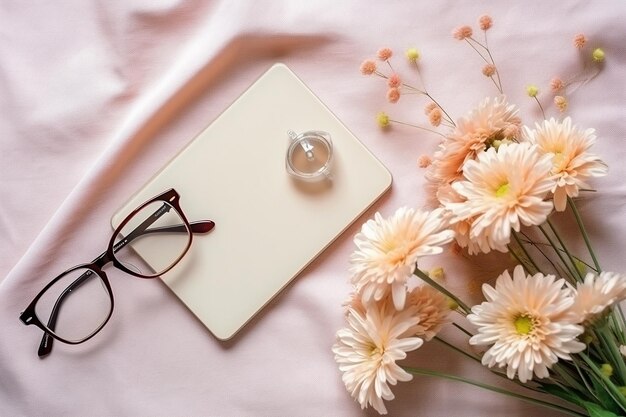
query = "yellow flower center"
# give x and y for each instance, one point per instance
(558, 160)
(523, 324)
(503, 190)
(376, 351)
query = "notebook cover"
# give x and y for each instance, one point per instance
(269, 227)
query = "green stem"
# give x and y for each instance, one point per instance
(477, 359)
(477, 51)
(440, 107)
(493, 62)
(543, 113)
(589, 390)
(461, 351)
(547, 236)
(567, 252)
(567, 377)
(610, 387)
(530, 259)
(581, 226)
(536, 246)
(619, 322)
(418, 127)
(441, 289)
(520, 260)
(426, 372)
(461, 328)
(609, 341)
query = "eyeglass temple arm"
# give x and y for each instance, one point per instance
(198, 227)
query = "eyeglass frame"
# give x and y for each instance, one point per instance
(170, 198)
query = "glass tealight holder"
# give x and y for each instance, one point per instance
(309, 155)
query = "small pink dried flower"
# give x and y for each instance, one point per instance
(393, 95)
(556, 84)
(384, 54)
(463, 32)
(394, 81)
(368, 67)
(429, 107)
(424, 161)
(561, 103)
(580, 40)
(489, 70)
(485, 22)
(434, 117)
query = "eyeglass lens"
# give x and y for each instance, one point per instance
(75, 306)
(153, 240)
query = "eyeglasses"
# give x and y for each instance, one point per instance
(150, 241)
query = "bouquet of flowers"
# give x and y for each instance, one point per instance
(552, 323)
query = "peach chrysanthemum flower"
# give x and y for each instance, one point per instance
(572, 163)
(384, 54)
(485, 22)
(556, 84)
(394, 81)
(368, 67)
(493, 120)
(500, 199)
(368, 349)
(434, 117)
(424, 161)
(489, 70)
(561, 103)
(511, 131)
(596, 293)
(388, 250)
(580, 40)
(393, 95)
(462, 32)
(461, 228)
(432, 310)
(528, 323)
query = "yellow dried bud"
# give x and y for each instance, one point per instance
(532, 90)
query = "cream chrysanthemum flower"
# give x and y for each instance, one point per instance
(368, 349)
(596, 293)
(503, 189)
(572, 163)
(432, 310)
(388, 250)
(529, 323)
(492, 122)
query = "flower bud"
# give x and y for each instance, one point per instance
(532, 90)
(382, 119)
(412, 55)
(606, 369)
(598, 55)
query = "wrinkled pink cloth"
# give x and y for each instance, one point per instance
(96, 96)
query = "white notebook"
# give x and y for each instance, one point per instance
(269, 227)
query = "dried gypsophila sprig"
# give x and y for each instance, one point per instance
(466, 33)
(398, 88)
(561, 89)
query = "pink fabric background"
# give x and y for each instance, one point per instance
(96, 96)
